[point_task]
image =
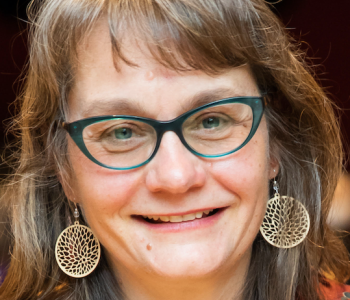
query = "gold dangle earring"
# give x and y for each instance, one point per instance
(286, 222)
(77, 250)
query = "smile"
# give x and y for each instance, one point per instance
(181, 218)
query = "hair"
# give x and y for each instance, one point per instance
(207, 35)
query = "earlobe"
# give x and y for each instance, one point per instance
(274, 168)
(67, 188)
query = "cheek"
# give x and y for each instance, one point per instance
(100, 189)
(246, 172)
(245, 175)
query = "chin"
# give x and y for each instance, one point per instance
(188, 263)
(186, 270)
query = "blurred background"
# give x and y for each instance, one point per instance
(321, 26)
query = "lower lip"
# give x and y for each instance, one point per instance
(182, 226)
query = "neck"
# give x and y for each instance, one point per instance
(224, 284)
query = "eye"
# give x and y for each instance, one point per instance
(123, 133)
(211, 122)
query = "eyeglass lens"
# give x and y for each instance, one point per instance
(124, 143)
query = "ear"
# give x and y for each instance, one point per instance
(67, 187)
(274, 167)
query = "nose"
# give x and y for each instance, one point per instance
(174, 169)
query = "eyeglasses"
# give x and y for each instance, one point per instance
(123, 142)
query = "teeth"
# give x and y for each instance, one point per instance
(165, 218)
(178, 219)
(189, 217)
(199, 214)
(175, 219)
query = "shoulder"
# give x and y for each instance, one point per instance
(335, 291)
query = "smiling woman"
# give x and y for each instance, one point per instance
(163, 127)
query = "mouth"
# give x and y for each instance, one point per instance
(181, 218)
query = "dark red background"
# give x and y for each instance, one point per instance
(322, 26)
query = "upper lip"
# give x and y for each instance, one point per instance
(181, 213)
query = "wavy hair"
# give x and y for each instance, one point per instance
(207, 35)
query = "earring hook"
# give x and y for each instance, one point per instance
(76, 213)
(275, 184)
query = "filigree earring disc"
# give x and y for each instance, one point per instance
(77, 251)
(286, 222)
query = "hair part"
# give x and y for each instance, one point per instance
(207, 35)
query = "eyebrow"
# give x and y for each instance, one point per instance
(122, 106)
(205, 97)
(125, 106)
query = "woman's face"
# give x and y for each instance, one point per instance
(175, 182)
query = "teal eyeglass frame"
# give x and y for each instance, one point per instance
(75, 129)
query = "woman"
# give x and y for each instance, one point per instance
(161, 126)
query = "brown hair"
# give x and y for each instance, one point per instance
(208, 35)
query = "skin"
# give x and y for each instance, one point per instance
(204, 262)
(340, 210)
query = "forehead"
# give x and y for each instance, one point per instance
(95, 53)
(148, 85)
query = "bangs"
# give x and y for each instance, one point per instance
(207, 35)
(183, 35)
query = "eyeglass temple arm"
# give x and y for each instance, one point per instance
(64, 125)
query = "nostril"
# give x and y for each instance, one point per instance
(173, 179)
